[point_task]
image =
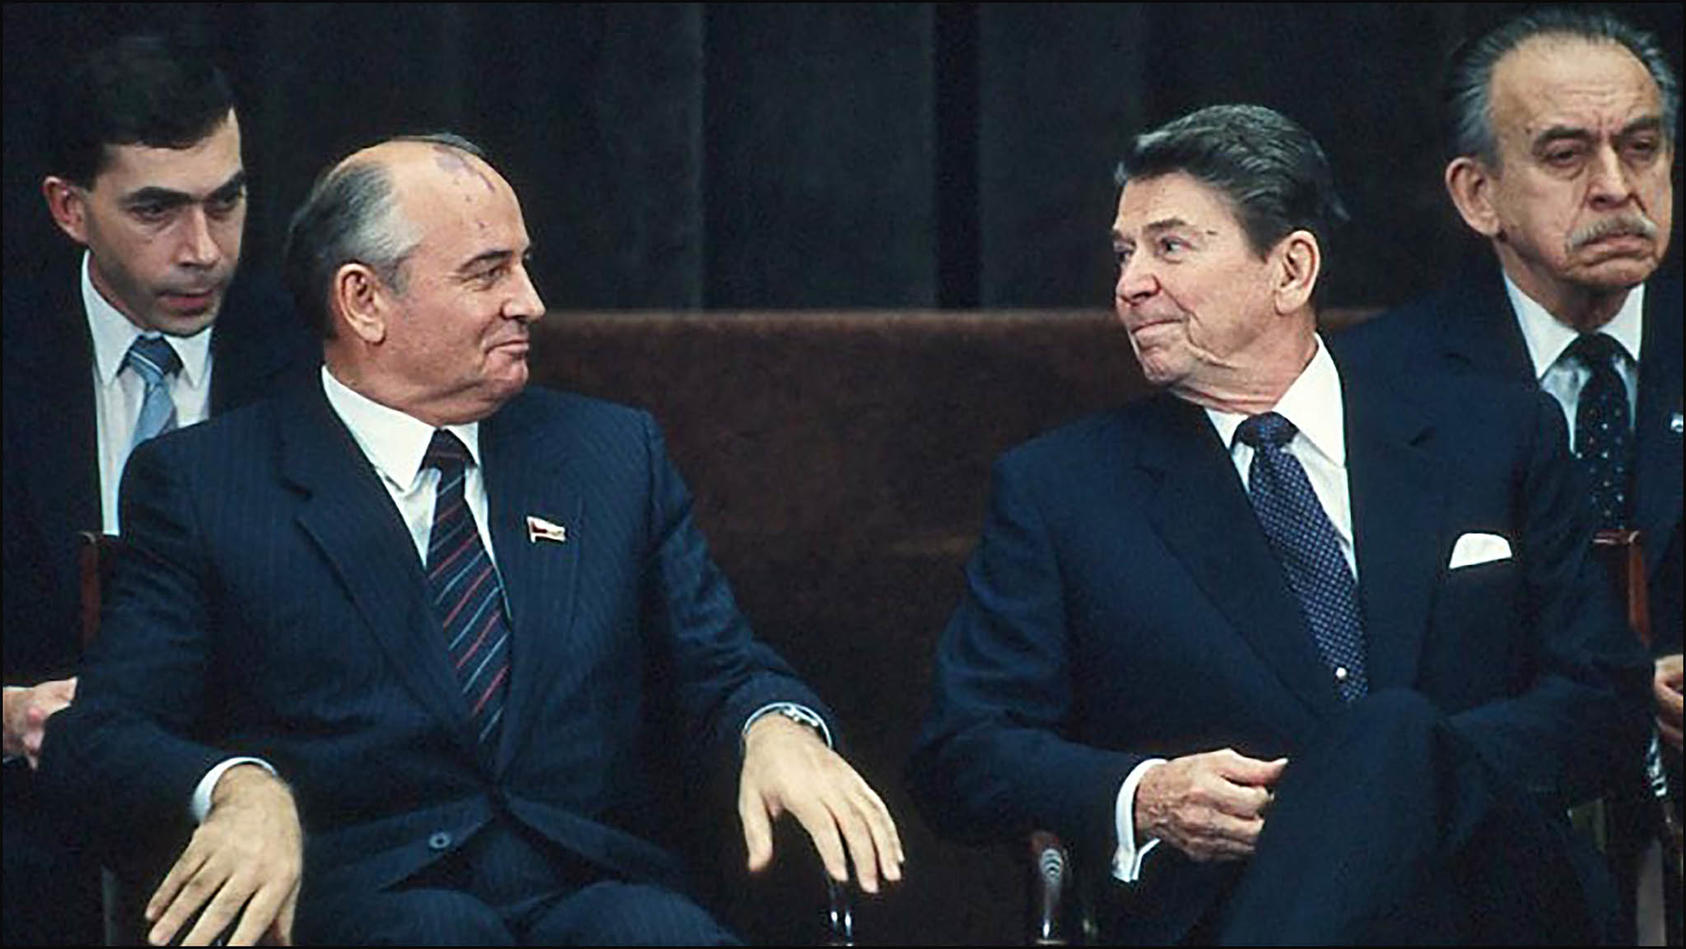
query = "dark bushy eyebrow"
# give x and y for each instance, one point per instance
(169, 197)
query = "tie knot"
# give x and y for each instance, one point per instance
(1267, 429)
(153, 358)
(1595, 350)
(446, 452)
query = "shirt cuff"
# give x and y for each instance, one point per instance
(800, 714)
(208, 783)
(1127, 859)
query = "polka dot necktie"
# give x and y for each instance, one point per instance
(155, 361)
(1308, 548)
(1603, 430)
(467, 594)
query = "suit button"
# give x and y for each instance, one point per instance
(439, 840)
(1341, 674)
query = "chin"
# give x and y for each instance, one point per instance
(1614, 275)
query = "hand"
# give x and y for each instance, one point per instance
(27, 711)
(247, 854)
(787, 767)
(1666, 688)
(1210, 806)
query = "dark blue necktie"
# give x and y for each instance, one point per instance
(1308, 548)
(155, 361)
(1603, 432)
(467, 594)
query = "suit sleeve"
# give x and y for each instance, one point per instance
(1583, 717)
(994, 758)
(122, 755)
(721, 673)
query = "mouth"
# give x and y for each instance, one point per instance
(189, 302)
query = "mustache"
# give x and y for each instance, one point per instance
(1632, 223)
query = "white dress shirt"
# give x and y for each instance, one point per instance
(119, 392)
(1548, 338)
(1314, 405)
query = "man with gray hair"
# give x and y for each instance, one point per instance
(1562, 127)
(1295, 656)
(436, 658)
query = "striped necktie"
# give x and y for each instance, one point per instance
(155, 361)
(466, 592)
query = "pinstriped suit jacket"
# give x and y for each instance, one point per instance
(272, 604)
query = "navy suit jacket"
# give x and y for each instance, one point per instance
(52, 487)
(1124, 603)
(271, 603)
(1469, 327)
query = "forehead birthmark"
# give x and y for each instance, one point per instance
(452, 162)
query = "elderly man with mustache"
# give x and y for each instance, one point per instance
(1562, 127)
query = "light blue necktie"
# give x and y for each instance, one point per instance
(155, 361)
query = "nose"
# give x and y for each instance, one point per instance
(198, 247)
(1608, 184)
(524, 304)
(1136, 280)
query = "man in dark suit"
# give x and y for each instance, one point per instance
(147, 178)
(1298, 656)
(1562, 126)
(468, 635)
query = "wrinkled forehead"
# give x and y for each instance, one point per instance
(1175, 198)
(1553, 79)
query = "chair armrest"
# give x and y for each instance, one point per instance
(840, 915)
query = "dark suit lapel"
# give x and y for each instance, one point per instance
(352, 518)
(1478, 328)
(528, 474)
(1397, 505)
(67, 468)
(1207, 521)
(1657, 492)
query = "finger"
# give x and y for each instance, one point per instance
(863, 853)
(1244, 770)
(823, 830)
(259, 915)
(191, 897)
(757, 829)
(185, 867)
(223, 909)
(885, 839)
(1669, 733)
(281, 931)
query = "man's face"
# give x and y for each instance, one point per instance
(1193, 295)
(458, 343)
(1582, 196)
(162, 227)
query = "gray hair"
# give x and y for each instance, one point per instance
(351, 216)
(1467, 96)
(1271, 170)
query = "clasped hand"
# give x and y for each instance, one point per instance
(243, 864)
(1210, 806)
(787, 767)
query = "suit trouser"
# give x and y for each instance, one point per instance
(508, 887)
(1388, 828)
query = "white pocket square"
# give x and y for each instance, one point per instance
(1472, 549)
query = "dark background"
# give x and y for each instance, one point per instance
(726, 156)
(819, 158)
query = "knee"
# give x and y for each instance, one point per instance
(416, 917)
(613, 913)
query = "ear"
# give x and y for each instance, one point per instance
(1299, 261)
(68, 206)
(1470, 183)
(360, 302)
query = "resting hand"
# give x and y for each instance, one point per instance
(27, 711)
(1210, 806)
(787, 767)
(247, 855)
(1666, 688)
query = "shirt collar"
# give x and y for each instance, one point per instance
(1547, 337)
(113, 334)
(394, 442)
(1313, 403)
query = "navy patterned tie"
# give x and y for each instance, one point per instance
(155, 361)
(1603, 431)
(1306, 544)
(467, 594)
